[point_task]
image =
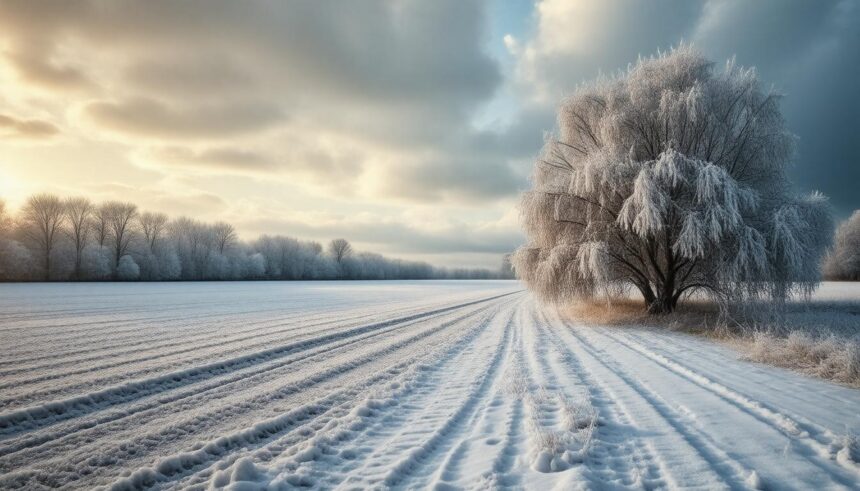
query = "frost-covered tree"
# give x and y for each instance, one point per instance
(193, 244)
(41, 221)
(340, 249)
(99, 223)
(78, 216)
(670, 178)
(153, 226)
(96, 262)
(120, 223)
(127, 269)
(843, 261)
(150, 247)
(5, 220)
(225, 236)
(506, 271)
(16, 262)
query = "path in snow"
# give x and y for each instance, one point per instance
(449, 385)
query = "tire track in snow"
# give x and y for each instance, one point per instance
(424, 450)
(376, 419)
(193, 348)
(299, 387)
(501, 473)
(218, 386)
(153, 404)
(82, 351)
(146, 327)
(428, 451)
(80, 340)
(345, 399)
(481, 437)
(811, 440)
(704, 357)
(616, 457)
(715, 466)
(188, 332)
(54, 411)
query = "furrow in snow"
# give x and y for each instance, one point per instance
(12, 421)
(676, 443)
(191, 397)
(175, 467)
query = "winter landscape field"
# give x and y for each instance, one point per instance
(355, 385)
(429, 244)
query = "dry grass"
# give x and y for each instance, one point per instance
(697, 317)
(819, 338)
(832, 357)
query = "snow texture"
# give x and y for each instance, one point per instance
(355, 385)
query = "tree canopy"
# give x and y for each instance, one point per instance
(671, 178)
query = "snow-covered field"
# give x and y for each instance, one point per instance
(390, 384)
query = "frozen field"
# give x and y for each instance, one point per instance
(390, 384)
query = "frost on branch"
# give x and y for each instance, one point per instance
(670, 179)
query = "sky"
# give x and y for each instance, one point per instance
(407, 127)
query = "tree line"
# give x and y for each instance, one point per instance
(75, 239)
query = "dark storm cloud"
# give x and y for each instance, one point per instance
(808, 50)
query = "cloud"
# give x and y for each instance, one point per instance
(298, 158)
(189, 76)
(808, 50)
(149, 118)
(29, 129)
(37, 69)
(575, 41)
(362, 84)
(451, 179)
(216, 159)
(189, 202)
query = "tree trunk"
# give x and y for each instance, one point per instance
(666, 298)
(76, 274)
(664, 302)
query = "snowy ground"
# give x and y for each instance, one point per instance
(404, 384)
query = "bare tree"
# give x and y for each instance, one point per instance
(99, 223)
(225, 236)
(120, 219)
(79, 212)
(153, 226)
(671, 178)
(339, 249)
(42, 218)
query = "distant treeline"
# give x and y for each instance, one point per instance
(73, 239)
